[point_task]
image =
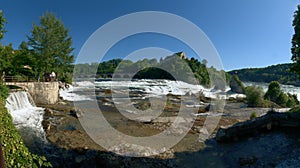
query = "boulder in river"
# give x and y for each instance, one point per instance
(236, 85)
(77, 113)
(48, 112)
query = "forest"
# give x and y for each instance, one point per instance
(281, 73)
(171, 67)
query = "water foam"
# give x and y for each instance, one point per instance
(25, 113)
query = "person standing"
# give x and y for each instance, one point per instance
(52, 75)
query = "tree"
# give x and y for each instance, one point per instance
(52, 44)
(6, 55)
(296, 42)
(2, 31)
(2, 23)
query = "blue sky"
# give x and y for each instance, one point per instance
(254, 33)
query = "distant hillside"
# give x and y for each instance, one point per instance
(278, 73)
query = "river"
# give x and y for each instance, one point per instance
(27, 117)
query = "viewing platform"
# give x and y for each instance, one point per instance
(41, 92)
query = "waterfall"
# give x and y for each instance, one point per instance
(26, 116)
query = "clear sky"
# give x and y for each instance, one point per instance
(252, 33)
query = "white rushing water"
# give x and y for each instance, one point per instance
(152, 88)
(69, 95)
(157, 88)
(26, 116)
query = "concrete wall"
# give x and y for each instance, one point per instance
(41, 92)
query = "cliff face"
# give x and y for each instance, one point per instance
(236, 85)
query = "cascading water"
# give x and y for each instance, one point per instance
(26, 117)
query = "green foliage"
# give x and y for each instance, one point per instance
(50, 51)
(253, 115)
(296, 42)
(236, 85)
(6, 54)
(167, 68)
(2, 22)
(292, 100)
(280, 73)
(295, 109)
(51, 44)
(4, 92)
(276, 95)
(254, 96)
(15, 152)
(273, 92)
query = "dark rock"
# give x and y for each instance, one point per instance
(48, 112)
(77, 113)
(46, 125)
(236, 85)
(270, 121)
(207, 108)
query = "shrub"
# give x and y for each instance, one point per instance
(254, 96)
(295, 109)
(4, 92)
(276, 95)
(292, 100)
(282, 99)
(273, 91)
(253, 115)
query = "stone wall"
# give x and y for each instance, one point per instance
(41, 92)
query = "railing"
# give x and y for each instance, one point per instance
(17, 79)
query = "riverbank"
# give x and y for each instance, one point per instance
(68, 135)
(71, 146)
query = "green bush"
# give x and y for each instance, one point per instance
(282, 99)
(292, 100)
(295, 109)
(4, 92)
(273, 91)
(254, 96)
(276, 95)
(253, 115)
(15, 152)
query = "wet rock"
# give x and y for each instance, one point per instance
(48, 112)
(46, 125)
(77, 113)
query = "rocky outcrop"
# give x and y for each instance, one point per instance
(270, 121)
(236, 85)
